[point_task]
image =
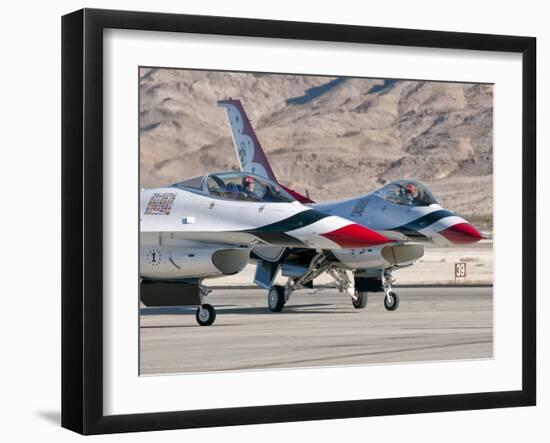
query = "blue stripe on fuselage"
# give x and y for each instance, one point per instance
(412, 228)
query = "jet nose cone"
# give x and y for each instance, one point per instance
(356, 236)
(462, 233)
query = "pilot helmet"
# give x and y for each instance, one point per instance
(248, 180)
(411, 189)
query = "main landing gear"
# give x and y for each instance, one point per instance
(358, 291)
(206, 313)
(364, 285)
(276, 298)
(279, 295)
(345, 284)
(360, 301)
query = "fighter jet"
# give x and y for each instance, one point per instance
(405, 211)
(205, 227)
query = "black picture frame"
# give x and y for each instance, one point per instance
(82, 216)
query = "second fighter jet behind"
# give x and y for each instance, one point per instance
(404, 211)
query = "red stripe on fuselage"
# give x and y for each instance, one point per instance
(356, 236)
(461, 233)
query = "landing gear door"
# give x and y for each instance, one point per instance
(266, 273)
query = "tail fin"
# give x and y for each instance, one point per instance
(249, 151)
(251, 156)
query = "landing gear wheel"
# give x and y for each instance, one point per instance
(361, 300)
(206, 314)
(276, 298)
(391, 301)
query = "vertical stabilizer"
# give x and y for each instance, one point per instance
(247, 146)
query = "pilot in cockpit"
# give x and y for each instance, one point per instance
(247, 188)
(411, 192)
(407, 194)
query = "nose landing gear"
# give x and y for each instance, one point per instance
(391, 299)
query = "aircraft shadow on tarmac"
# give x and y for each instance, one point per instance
(191, 326)
(229, 309)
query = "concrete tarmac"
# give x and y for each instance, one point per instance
(318, 328)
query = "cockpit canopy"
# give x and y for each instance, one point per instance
(239, 186)
(407, 192)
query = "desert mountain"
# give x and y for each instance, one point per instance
(329, 136)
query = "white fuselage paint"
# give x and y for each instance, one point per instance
(224, 221)
(182, 234)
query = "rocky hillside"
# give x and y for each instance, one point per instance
(332, 137)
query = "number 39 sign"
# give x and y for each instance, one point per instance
(460, 270)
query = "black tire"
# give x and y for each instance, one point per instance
(208, 315)
(361, 301)
(276, 298)
(393, 304)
